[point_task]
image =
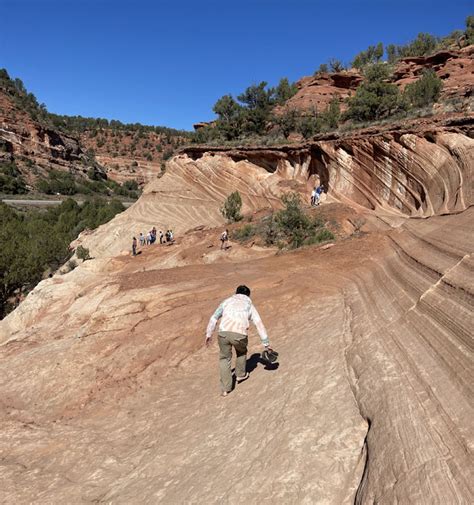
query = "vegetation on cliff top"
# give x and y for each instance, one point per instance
(36, 242)
(252, 116)
(27, 101)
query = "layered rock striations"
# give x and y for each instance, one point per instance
(420, 170)
(35, 148)
(108, 396)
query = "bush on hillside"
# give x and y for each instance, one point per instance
(373, 54)
(11, 181)
(58, 182)
(425, 90)
(470, 30)
(232, 207)
(290, 226)
(375, 98)
(336, 65)
(83, 253)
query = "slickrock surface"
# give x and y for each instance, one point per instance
(107, 395)
(190, 194)
(420, 171)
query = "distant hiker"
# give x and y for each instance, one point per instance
(148, 238)
(171, 236)
(141, 239)
(313, 196)
(224, 239)
(319, 190)
(134, 246)
(236, 312)
(162, 238)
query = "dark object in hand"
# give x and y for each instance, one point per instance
(269, 356)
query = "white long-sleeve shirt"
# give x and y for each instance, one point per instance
(237, 312)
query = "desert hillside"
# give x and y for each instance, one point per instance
(38, 146)
(108, 394)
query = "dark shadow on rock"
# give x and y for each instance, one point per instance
(255, 359)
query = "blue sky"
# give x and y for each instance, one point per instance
(167, 62)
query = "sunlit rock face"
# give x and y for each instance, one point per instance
(107, 393)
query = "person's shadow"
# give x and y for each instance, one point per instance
(252, 364)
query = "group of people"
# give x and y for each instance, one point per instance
(316, 195)
(150, 238)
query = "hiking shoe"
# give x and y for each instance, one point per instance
(243, 378)
(224, 393)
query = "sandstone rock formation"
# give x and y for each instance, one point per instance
(35, 148)
(419, 169)
(108, 396)
(455, 68)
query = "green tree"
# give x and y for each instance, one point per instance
(373, 54)
(470, 30)
(332, 114)
(284, 91)
(309, 125)
(257, 97)
(287, 121)
(229, 113)
(425, 90)
(392, 54)
(375, 98)
(232, 207)
(11, 181)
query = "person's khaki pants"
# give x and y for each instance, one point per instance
(239, 342)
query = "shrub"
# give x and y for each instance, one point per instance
(287, 122)
(11, 181)
(375, 98)
(470, 30)
(71, 265)
(373, 54)
(330, 117)
(244, 233)
(336, 65)
(309, 125)
(131, 185)
(167, 154)
(292, 221)
(323, 69)
(425, 90)
(232, 207)
(321, 236)
(58, 182)
(83, 253)
(284, 91)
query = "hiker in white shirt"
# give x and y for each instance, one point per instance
(236, 312)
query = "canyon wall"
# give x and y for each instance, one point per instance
(419, 170)
(107, 394)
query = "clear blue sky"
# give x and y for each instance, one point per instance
(167, 62)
